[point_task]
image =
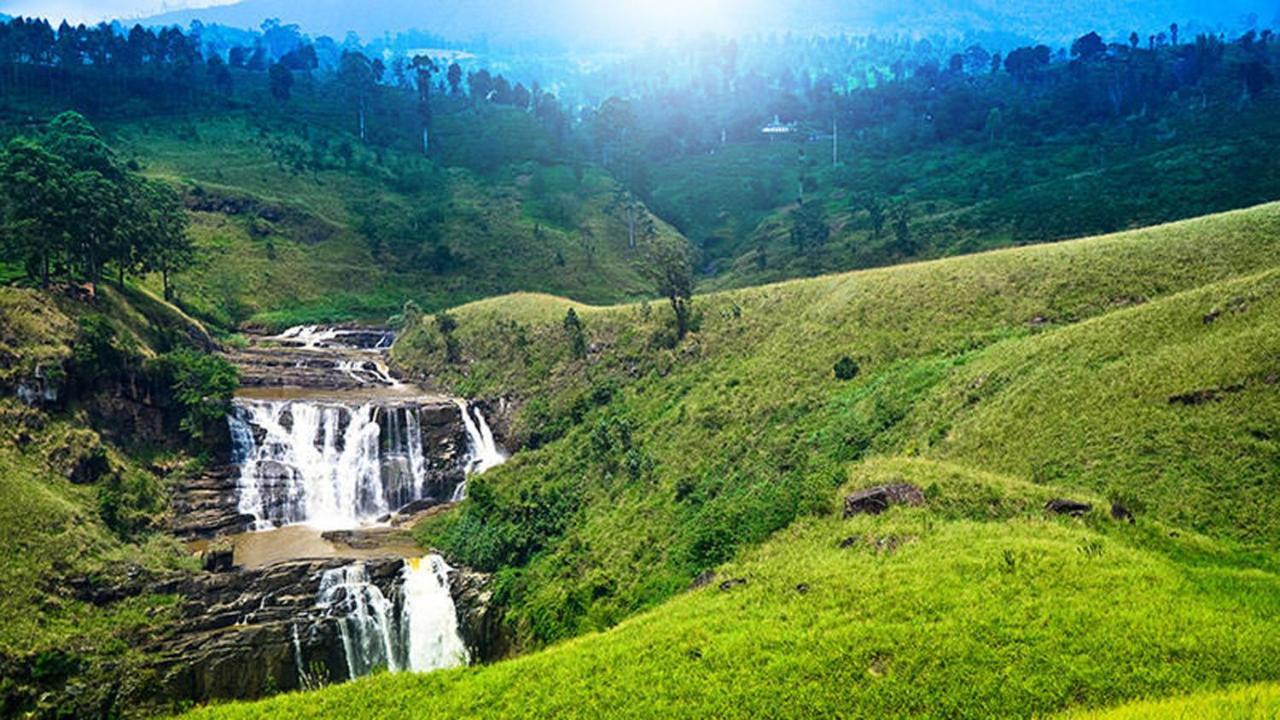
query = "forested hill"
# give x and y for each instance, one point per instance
(302, 161)
(581, 22)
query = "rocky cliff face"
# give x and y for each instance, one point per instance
(247, 634)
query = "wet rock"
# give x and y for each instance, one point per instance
(1060, 506)
(244, 634)
(480, 619)
(732, 583)
(219, 558)
(207, 506)
(876, 500)
(849, 542)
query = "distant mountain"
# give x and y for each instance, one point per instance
(575, 22)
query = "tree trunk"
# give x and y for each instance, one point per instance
(168, 291)
(426, 140)
(362, 125)
(631, 222)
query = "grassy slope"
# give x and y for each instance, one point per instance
(1253, 701)
(315, 263)
(744, 428)
(51, 529)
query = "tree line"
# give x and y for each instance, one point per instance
(71, 210)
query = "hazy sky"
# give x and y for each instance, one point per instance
(94, 10)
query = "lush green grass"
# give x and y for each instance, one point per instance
(743, 428)
(975, 606)
(1252, 702)
(355, 239)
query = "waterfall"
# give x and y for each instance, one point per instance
(484, 452)
(430, 628)
(417, 633)
(365, 619)
(327, 465)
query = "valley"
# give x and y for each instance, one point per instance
(647, 360)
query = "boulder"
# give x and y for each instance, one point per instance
(1073, 508)
(873, 501)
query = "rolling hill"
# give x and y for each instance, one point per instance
(1134, 373)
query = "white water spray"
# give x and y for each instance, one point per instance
(484, 452)
(416, 633)
(330, 466)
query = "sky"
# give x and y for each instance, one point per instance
(92, 11)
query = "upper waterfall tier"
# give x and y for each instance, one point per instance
(334, 465)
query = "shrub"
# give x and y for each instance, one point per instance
(846, 368)
(201, 387)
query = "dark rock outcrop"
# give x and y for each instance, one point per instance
(1073, 508)
(479, 618)
(876, 500)
(1120, 513)
(207, 506)
(245, 634)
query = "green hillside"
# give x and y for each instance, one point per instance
(84, 493)
(355, 238)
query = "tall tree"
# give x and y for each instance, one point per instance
(425, 68)
(280, 80)
(355, 72)
(670, 267)
(37, 191)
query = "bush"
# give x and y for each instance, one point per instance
(201, 387)
(846, 368)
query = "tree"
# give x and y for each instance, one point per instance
(355, 73)
(577, 335)
(37, 192)
(281, 82)
(454, 76)
(166, 247)
(902, 240)
(445, 325)
(874, 204)
(809, 229)
(1087, 47)
(670, 268)
(425, 67)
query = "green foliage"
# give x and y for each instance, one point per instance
(846, 368)
(202, 385)
(1012, 361)
(577, 335)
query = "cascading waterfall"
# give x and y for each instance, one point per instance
(483, 449)
(429, 629)
(365, 618)
(418, 632)
(330, 466)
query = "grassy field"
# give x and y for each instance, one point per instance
(1246, 703)
(744, 427)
